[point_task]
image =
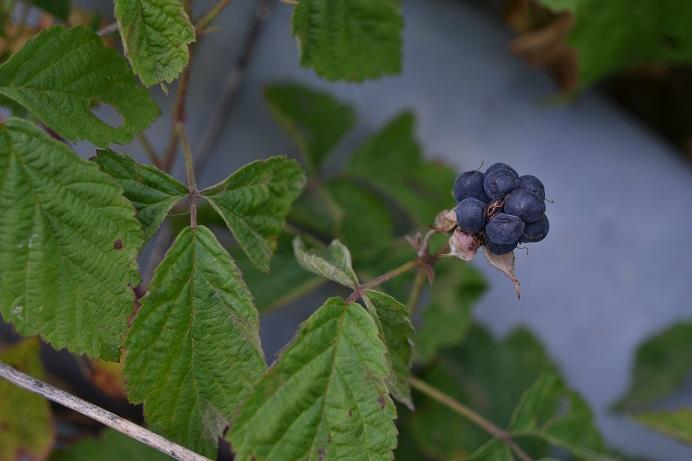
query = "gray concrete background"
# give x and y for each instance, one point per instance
(615, 267)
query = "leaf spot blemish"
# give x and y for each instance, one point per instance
(118, 245)
(380, 401)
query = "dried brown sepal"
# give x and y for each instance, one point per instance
(462, 245)
(505, 263)
(445, 221)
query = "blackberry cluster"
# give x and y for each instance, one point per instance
(500, 208)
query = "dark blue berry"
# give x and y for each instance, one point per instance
(499, 249)
(470, 184)
(504, 229)
(535, 232)
(528, 206)
(471, 215)
(499, 166)
(500, 182)
(532, 184)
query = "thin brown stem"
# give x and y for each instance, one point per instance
(469, 414)
(107, 30)
(416, 290)
(379, 280)
(231, 88)
(189, 172)
(207, 19)
(96, 413)
(149, 149)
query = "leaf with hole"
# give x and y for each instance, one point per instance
(314, 119)
(61, 73)
(254, 202)
(152, 191)
(333, 262)
(396, 330)
(69, 245)
(325, 397)
(156, 35)
(349, 40)
(26, 423)
(194, 352)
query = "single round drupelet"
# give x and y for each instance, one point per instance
(504, 229)
(528, 206)
(471, 215)
(498, 249)
(535, 232)
(499, 166)
(532, 184)
(500, 182)
(470, 184)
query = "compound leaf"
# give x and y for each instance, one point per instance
(194, 352)
(111, 445)
(59, 74)
(68, 245)
(661, 365)
(26, 426)
(325, 397)
(673, 423)
(447, 318)
(333, 263)
(314, 119)
(152, 191)
(156, 35)
(397, 331)
(550, 411)
(349, 39)
(254, 202)
(391, 161)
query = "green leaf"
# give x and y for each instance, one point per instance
(26, 426)
(287, 281)
(156, 35)
(152, 191)
(349, 40)
(367, 226)
(673, 423)
(111, 445)
(326, 395)
(616, 35)
(447, 317)
(487, 375)
(396, 330)
(492, 451)
(69, 245)
(58, 8)
(549, 410)
(314, 119)
(661, 365)
(59, 74)
(254, 202)
(391, 161)
(333, 263)
(194, 352)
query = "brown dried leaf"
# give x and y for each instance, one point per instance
(505, 263)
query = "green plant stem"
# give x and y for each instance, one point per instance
(189, 172)
(213, 12)
(416, 290)
(379, 280)
(468, 413)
